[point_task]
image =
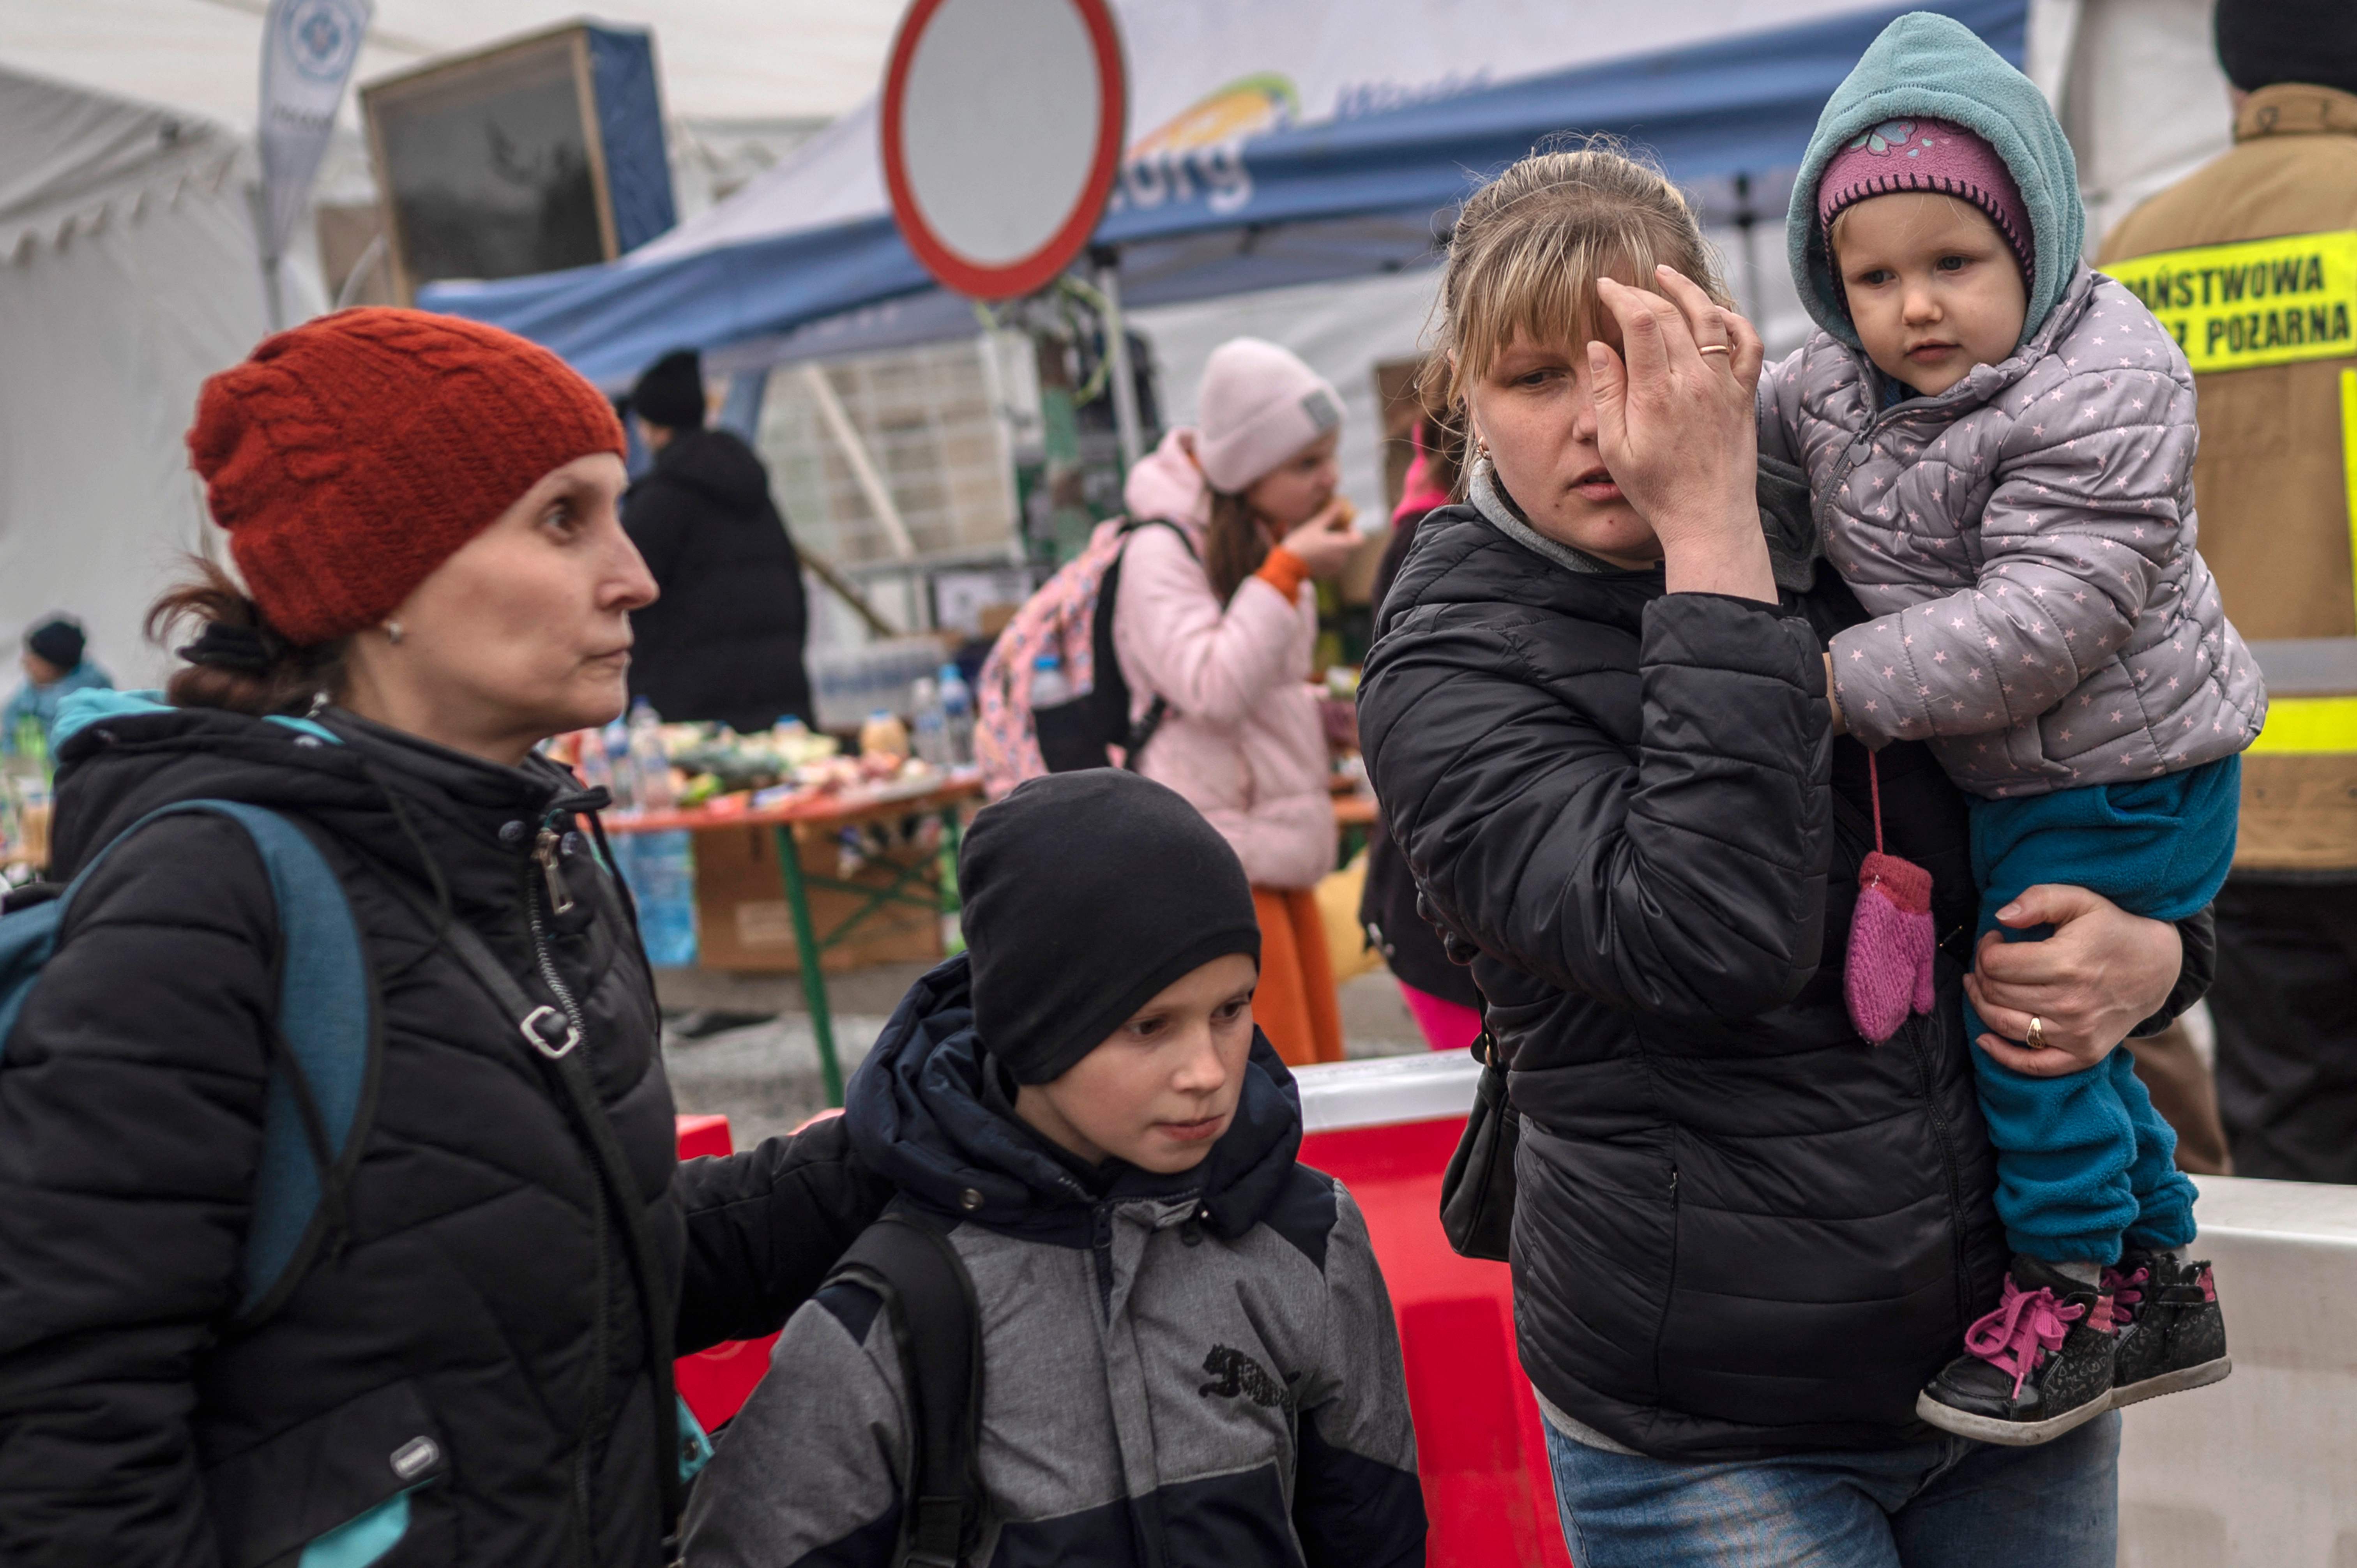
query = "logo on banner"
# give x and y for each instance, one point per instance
(1203, 144)
(2256, 302)
(322, 37)
(308, 49)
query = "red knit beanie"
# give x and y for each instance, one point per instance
(351, 457)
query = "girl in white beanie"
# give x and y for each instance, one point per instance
(1221, 628)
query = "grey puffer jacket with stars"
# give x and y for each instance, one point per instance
(2026, 542)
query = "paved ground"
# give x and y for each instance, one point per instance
(764, 1076)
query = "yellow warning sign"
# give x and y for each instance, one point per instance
(2255, 302)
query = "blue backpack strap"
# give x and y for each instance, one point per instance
(322, 1088)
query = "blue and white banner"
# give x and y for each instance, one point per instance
(309, 48)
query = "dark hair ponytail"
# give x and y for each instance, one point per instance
(1235, 544)
(238, 661)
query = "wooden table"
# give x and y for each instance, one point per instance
(826, 815)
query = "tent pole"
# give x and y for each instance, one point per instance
(854, 453)
(1116, 331)
(1746, 224)
(273, 305)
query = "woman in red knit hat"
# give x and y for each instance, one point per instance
(472, 1366)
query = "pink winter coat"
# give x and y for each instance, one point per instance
(1242, 739)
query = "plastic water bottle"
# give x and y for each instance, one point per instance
(649, 761)
(622, 778)
(660, 870)
(928, 724)
(957, 716)
(596, 769)
(1048, 686)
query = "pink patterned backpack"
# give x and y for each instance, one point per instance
(1069, 619)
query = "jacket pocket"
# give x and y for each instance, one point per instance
(275, 1499)
(1595, 1247)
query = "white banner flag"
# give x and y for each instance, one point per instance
(308, 48)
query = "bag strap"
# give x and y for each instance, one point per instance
(326, 1054)
(1150, 720)
(553, 1038)
(907, 1259)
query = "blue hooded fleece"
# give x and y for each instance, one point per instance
(1931, 67)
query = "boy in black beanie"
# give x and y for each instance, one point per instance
(1189, 1355)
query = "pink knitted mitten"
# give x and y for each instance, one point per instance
(1890, 942)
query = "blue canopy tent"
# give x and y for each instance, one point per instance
(1728, 120)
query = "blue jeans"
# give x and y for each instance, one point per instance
(1953, 1503)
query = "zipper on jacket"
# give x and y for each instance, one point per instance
(1100, 1253)
(1915, 1032)
(545, 854)
(1670, 1290)
(560, 896)
(601, 1329)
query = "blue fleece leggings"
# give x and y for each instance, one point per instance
(2083, 1160)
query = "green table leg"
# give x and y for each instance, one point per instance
(789, 867)
(951, 899)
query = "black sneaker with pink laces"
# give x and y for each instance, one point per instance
(2032, 1369)
(2172, 1336)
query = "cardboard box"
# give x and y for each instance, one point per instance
(743, 923)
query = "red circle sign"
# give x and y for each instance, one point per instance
(1002, 124)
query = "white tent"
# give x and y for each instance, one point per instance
(128, 269)
(126, 260)
(128, 273)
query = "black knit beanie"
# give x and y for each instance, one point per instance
(1085, 895)
(2262, 42)
(670, 391)
(57, 640)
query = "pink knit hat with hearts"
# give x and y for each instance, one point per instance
(1937, 155)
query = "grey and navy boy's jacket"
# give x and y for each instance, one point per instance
(1198, 1370)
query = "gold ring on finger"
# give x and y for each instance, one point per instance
(2037, 1032)
(1719, 348)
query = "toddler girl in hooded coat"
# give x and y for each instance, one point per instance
(1999, 446)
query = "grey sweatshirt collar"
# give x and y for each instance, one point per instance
(1498, 513)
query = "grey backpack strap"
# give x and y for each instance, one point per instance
(907, 1258)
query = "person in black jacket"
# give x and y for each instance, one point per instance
(725, 641)
(474, 1368)
(1596, 716)
(1438, 991)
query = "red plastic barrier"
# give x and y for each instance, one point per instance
(1480, 1449)
(717, 1383)
(704, 1135)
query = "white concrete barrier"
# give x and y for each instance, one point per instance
(2259, 1471)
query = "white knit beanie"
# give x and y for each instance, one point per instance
(1259, 404)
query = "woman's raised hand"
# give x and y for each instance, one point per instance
(1326, 542)
(1678, 432)
(2101, 974)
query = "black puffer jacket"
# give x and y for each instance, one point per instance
(483, 1295)
(725, 640)
(1741, 1230)
(1387, 911)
